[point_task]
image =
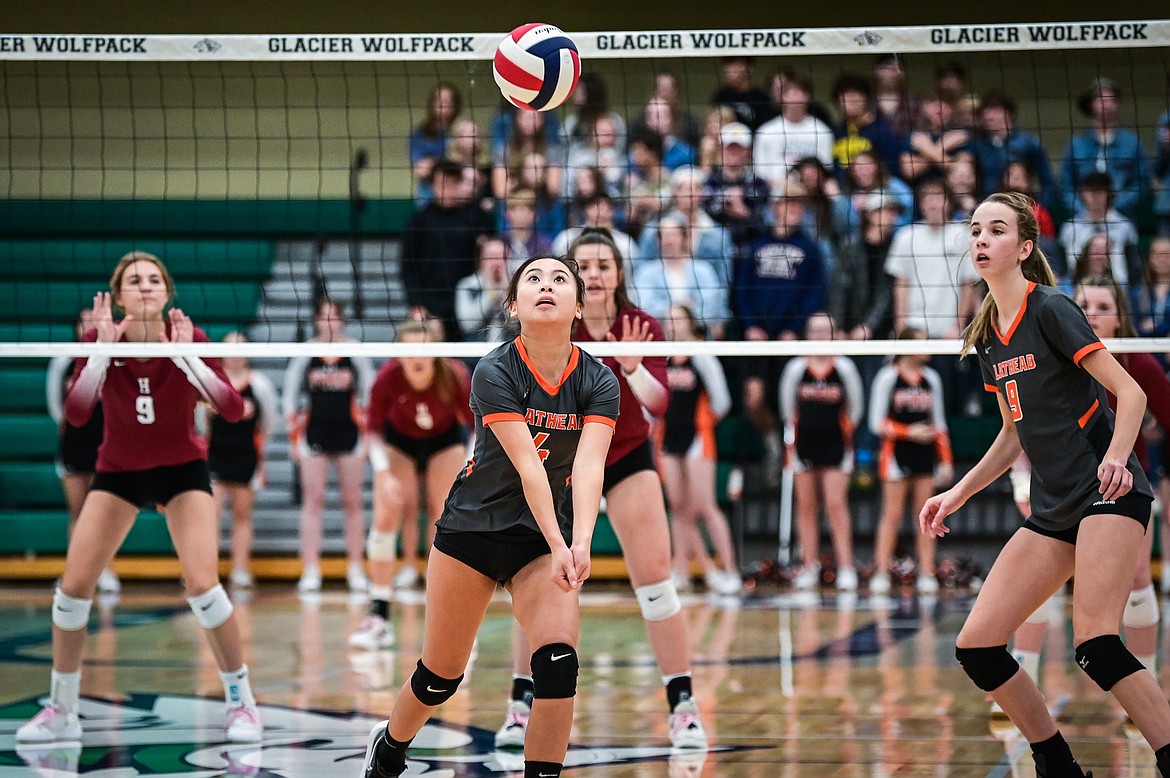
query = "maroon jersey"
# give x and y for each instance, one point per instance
(632, 427)
(1146, 370)
(149, 407)
(420, 415)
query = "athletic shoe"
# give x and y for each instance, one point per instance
(51, 725)
(355, 577)
(406, 578)
(510, 761)
(243, 725)
(241, 578)
(686, 729)
(369, 768)
(310, 580)
(723, 582)
(108, 582)
(511, 735)
(686, 764)
(879, 583)
(809, 577)
(926, 584)
(58, 759)
(846, 579)
(375, 633)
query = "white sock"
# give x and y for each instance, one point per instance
(1030, 661)
(65, 691)
(380, 593)
(237, 689)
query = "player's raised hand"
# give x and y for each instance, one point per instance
(632, 332)
(564, 570)
(935, 512)
(109, 331)
(182, 328)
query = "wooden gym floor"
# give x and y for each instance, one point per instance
(789, 685)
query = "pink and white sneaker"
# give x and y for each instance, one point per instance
(51, 725)
(243, 725)
(686, 728)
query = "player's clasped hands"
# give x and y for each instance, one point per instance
(1116, 480)
(564, 569)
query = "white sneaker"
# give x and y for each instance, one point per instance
(926, 584)
(375, 633)
(51, 725)
(355, 577)
(879, 583)
(686, 729)
(511, 735)
(243, 725)
(406, 578)
(809, 577)
(846, 579)
(241, 578)
(726, 583)
(108, 582)
(310, 580)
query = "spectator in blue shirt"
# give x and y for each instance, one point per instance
(1106, 148)
(428, 141)
(998, 141)
(862, 128)
(781, 282)
(1162, 173)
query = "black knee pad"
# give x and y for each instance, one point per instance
(554, 671)
(990, 667)
(430, 688)
(1106, 660)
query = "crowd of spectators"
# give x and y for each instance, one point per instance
(762, 205)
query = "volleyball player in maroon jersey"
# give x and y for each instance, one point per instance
(633, 491)
(1089, 498)
(417, 421)
(150, 454)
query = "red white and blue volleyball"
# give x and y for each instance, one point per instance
(537, 67)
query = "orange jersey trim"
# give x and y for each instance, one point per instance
(1004, 339)
(601, 420)
(991, 388)
(552, 389)
(492, 418)
(1089, 349)
(1089, 413)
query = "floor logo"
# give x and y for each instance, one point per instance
(172, 735)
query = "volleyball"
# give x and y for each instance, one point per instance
(537, 67)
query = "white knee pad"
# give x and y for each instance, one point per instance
(378, 458)
(381, 546)
(1043, 614)
(658, 601)
(1142, 608)
(212, 608)
(70, 613)
(1021, 485)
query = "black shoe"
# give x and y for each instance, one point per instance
(371, 767)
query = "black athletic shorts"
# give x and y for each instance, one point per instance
(422, 449)
(232, 466)
(156, 486)
(498, 555)
(78, 449)
(1133, 505)
(641, 458)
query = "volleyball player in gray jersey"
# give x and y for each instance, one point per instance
(521, 514)
(1090, 499)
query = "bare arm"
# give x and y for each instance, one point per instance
(516, 439)
(1116, 480)
(901, 303)
(588, 475)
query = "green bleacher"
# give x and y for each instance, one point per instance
(219, 274)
